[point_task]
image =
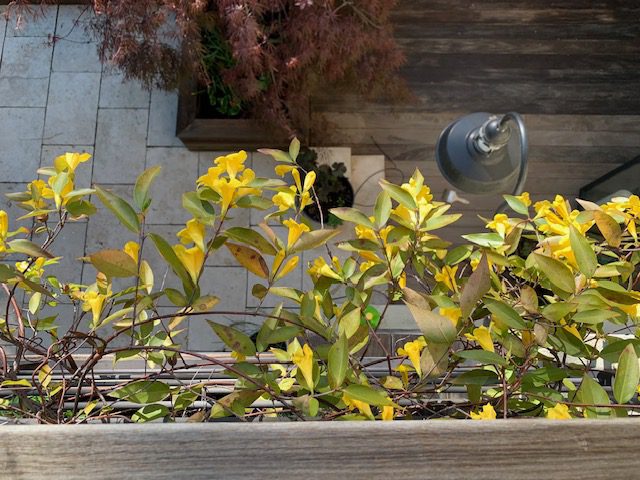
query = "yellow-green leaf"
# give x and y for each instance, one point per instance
(252, 238)
(141, 188)
(557, 272)
(149, 413)
(249, 259)
(368, 395)
(352, 215)
(234, 339)
(142, 391)
(120, 208)
(627, 375)
(382, 209)
(169, 255)
(435, 327)
(585, 256)
(313, 239)
(505, 314)
(591, 393)
(609, 228)
(477, 286)
(398, 194)
(28, 248)
(114, 263)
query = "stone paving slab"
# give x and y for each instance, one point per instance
(24, 73)
(163, 113)
(115, 92)
(120, 145)
(178, 175)
(3, 27)
(74, 23)
(71, 109)
(72, 56)
(20, 140)
(43, 24)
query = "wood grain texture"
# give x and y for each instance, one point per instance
(514, 449)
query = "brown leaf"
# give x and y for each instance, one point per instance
(249, 259)
(478, 285)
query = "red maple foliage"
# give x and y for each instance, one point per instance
(301, 48)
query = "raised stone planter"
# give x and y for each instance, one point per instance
(511, 449)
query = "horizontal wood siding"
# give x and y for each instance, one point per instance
(571, 67)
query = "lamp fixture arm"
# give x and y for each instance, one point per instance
(524, 147)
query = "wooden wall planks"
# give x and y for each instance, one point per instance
(444, 449)
(571, 67)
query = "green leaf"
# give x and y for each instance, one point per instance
(234, 339)
(557, 272)
(148, 413)
(198, 208)
(120, 208)
(141, 188)
(352, 215)
(114, 263)
(441, 221)
(516, 204)
(490, 240)
(505, 314)
(435, 327)
(477, 286)
(253, 238)
(28, 248)
(142, 391)
(483, 356)
(338, 362)
(368, 395)
(399, 194)
(165, 250)
(22, 383)
(591, 393)
(382, 209)
(458, 254)
(627, 375)
(313, 239)
(609, 228)
(585, 256)
(476, 377)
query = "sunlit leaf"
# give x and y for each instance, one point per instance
(114, 263)
(585, 256)
(234, 339)
(141, 188)
(120, 208)
(249, 259)
(627, 376)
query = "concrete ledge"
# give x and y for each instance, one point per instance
(454, 449)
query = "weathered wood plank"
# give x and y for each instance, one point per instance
(513, 449)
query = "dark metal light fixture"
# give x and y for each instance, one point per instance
(476, 154)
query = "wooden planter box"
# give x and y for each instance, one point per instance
(444, 449)
(216, 134)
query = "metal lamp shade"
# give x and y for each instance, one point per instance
(469, 170)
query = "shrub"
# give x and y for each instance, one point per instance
(513, 334)
(262, 57)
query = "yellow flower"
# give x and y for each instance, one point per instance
(487, 413)
(320, 268)
(93, 302)
(285, 199)
(295, 231)
(559, 412)
(387, 413)
(288, 267)
(70, 161)
(452, 313)
(132, 249)
(191, 258)
(282, 170)
(296, 177)
(303, 359)
(482, 335)
(413, 350)
(500, 224)
(309, 180)
(448, 276)
(232, 163)
(362, 407)
(525, 198)
(194, 232)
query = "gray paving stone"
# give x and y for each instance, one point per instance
(20, 144)
(206, 159)
(74, 22)
(76, 56)
(120, 145)
(13, 211)
(70, 246)
(71, 109)
(3, 27)
(162, 120)
(229, 284)
(83, 172)
(115, 92)
(24, 73)
(178, 175)
(41, 24)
